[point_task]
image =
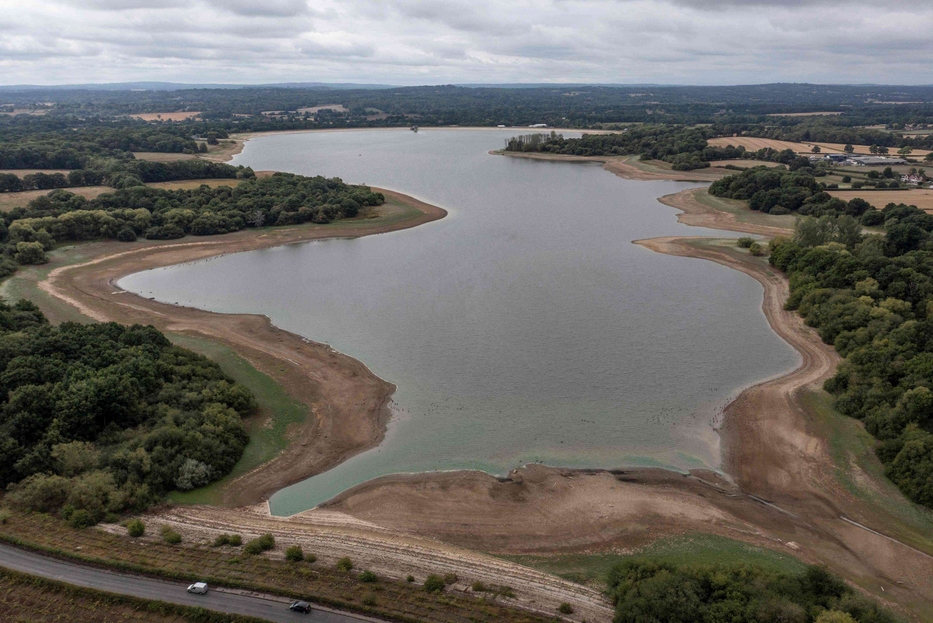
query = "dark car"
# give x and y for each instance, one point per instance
(300, 606)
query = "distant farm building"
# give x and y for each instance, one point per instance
(875, 161)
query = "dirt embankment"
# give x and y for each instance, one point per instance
(348, 402)
(698, 214)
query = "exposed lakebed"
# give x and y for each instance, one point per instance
(523, 327)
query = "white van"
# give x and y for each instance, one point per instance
(198, 588)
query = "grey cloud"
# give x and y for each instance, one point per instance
(262, 8)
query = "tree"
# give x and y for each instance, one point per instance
(849, 149)
(816, 149)
(30, 253)
(905, 151)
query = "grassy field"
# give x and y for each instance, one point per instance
(861, 474)
(743, 214)
(8, 201)
(921, 197)
(155, 156)
(228, 566)
(268, 429)
(690, 549)
(29, 599)
(25, 172)
(754, 144)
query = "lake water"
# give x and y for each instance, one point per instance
(523, 327)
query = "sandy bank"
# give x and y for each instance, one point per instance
(348, 402)
(628, 167)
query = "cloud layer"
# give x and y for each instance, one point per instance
(464, 41)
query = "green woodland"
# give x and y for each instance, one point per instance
(646, 592)
(26, 233)
(871, 296)
(100, 419)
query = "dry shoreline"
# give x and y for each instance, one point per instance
(783, 495)
(348, 402)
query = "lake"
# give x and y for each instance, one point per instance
(524, 327)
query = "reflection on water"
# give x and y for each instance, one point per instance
(524, 327)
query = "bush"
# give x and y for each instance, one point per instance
(81, 519)
(310, 558)
(565, 608)
(5, 517)
(368, 577)
(745, 242)
(410, 579)
(136, 528)
(236, 540)
(779, 211)
(756, 249)
(252, 548)
(369, 599)
(477, 587)
(30, 253)
(267, 542)
(294, 554)
(126, 235)
(450, 578)
(434, 584)
(846, 179)
(344, 564)
(221, 540)
(170, 536)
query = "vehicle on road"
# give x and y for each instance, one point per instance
(198, 588)
(300, 606)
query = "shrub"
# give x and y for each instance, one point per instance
(294, 554)
(368, 577)
(565, 608)
(478, 587)
(369, 599)
(221, 540)
(252, 548)
(434, 584)
(744, 242)
(5, 516)
(310, 558)
(260, 545)
(236, 540)
(136, 528)
(344, 564)
(779, 211)
(171, 537)
(450, 578)
(81, 519)
(126, 235)
(756, 249)
(846, 179)
(267, 542)
(410, 579)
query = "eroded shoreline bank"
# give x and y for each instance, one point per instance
(784, 495)
(348, 403)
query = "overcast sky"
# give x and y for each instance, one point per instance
(467, 41)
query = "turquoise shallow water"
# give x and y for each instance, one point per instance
(523, 327)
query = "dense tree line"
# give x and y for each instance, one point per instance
(681, 146)
(872, 298)
(101, 418)
(791, 190)
(26, 233)
(646, 592)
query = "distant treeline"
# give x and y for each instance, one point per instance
(871, 296)
(98, 419)
(26, 233)
(645, 591)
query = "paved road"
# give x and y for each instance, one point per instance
(270, 608)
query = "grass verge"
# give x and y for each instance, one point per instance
(690, 549)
